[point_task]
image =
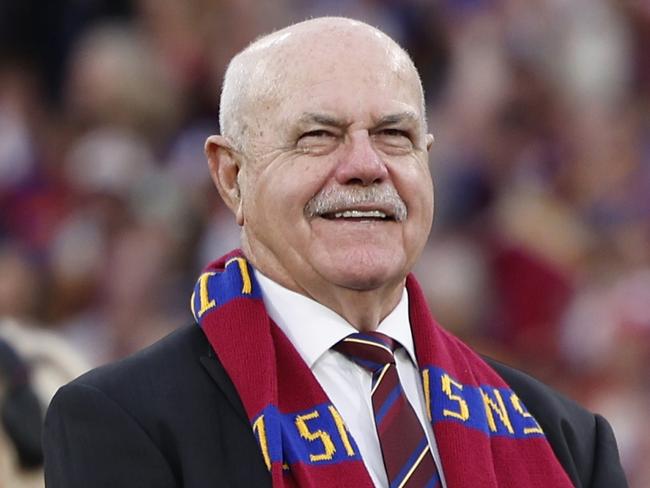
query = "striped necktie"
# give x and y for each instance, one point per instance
(404, 445)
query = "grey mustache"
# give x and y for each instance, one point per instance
(335, 199)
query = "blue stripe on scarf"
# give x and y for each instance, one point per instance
(314, 436)
(215, 289)
(493, 411)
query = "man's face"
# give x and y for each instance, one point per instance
(336, 189)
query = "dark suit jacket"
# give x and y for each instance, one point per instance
(169, 416)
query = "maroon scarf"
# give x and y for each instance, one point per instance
(485, 435)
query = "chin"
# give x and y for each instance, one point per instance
(365, 271)
(361, 283)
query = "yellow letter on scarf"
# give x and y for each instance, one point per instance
(463, 409)
(516, 403)
(324, 437)
(260, 429)
(206, 303)
(497, 407)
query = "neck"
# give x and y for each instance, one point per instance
(363, 309)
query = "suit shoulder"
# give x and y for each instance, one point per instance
(154, 365)
(580, 439)
(538, 395)
(559, 416)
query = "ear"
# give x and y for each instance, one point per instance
(225, 164)
(429, 140)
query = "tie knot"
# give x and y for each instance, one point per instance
(371, 350)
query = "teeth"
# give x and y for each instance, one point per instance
(377, 214)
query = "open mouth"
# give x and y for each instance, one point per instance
(358, 215)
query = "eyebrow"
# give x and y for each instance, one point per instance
(321, 119)
(328, 120)
(390, 119)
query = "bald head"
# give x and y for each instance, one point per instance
(323, 159)
(264, 74)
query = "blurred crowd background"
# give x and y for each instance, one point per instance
(540, 253)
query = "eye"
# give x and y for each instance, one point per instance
(391, 132)
(319, 133)
(317, 141)
(393, 140)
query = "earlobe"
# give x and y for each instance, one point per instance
(224, 169)
(429, 140)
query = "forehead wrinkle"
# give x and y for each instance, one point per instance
(322, 119)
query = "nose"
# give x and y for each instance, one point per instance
(360, 164)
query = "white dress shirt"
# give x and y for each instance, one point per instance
(313, 329)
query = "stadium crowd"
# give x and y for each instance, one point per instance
(540, 253)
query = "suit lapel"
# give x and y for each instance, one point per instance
(221, 378)
(256, 470)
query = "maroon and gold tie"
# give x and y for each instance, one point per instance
(404, 445)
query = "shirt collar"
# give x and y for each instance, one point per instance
(313, 328)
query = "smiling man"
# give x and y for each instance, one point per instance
(323, 159)
(315, 360)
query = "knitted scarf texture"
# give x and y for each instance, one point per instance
(485, 435)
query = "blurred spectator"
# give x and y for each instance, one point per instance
(33, 364)
(18, 284)
(115, 79)
(541, 113)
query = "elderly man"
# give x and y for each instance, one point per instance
(315, 360)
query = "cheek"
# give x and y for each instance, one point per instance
(302, 178)
(413, 182)
(415, 186)
(426, 201)
(280, 194)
